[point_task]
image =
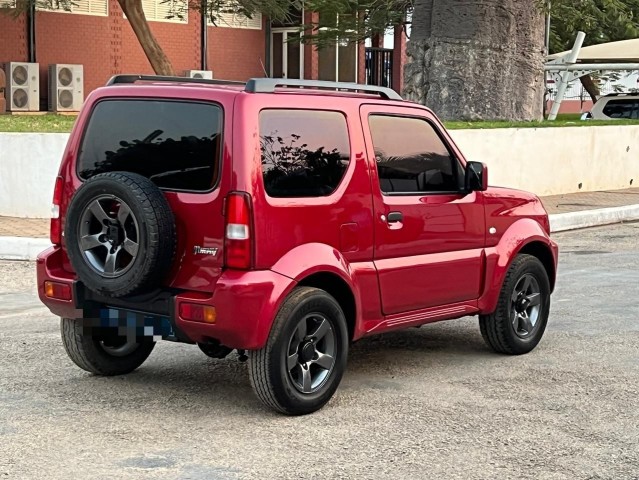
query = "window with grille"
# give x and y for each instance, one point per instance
(175, 11)
(80, 7)
(237, 20)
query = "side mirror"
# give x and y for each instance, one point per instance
(476, 179)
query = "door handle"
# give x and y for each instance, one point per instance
(394, 217)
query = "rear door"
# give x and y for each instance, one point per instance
(179, 145)
(429, 234)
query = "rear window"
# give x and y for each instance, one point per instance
(305, 153)
(176, 145)
(621, 109)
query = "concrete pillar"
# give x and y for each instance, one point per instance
(399, 58)
(311, 55)
(3, 89)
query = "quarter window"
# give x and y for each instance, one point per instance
(305, 153)
(622, 109)
(411, 157)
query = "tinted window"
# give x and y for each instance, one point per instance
(411, 157)
(621, 109)
(175, 144)
(305, 153)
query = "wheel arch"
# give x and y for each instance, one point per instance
(543, 253)
(335, 286)
(524, 236)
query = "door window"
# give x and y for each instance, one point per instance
(411, 157)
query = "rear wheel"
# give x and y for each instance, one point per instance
(103, 351)
(302, 364)
(519, 322)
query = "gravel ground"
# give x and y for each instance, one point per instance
(424, 403)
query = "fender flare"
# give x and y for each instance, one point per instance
(312, 258)
(519, 235)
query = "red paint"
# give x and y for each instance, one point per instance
(439, 262)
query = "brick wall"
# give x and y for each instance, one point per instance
(236, 54)
(13, 38)
(107, 46)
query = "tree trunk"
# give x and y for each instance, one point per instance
(591, 87)
(477, 59)
(152, 49)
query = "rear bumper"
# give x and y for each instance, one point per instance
(246, 303)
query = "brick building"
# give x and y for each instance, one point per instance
(97, 35)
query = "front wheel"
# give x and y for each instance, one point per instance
(301, 366)
(519, 322)
(103, 352)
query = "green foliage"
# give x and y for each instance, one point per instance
(601, 20)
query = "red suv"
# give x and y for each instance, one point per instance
(283, 219)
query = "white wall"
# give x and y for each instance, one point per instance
(546, 161)
(550, 161)
(29, 163)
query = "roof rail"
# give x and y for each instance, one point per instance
(127, 79)
(268, 85)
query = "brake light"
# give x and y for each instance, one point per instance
(56, 222)
(238, 241)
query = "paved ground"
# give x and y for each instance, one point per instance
(424, 403)
(574, 202)
(37, 227)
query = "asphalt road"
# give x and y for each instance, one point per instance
(425, 403)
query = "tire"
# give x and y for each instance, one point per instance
(89, 353)
(288, 391)
(124, 217)
(507, 330)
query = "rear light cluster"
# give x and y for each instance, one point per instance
(56, 221)
(238, 234)
(58, 291)
(195, 312)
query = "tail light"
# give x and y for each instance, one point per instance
(238, 237)
(56, 222)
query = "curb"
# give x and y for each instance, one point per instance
(26, 248)
(562, 222)
(22, 248)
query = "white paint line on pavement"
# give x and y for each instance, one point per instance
(26, 248)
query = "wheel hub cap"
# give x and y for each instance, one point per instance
(307, 352)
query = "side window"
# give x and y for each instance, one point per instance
(620, 109)
(411, 157)
(305, 153)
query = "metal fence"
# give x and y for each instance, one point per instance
(379, 67)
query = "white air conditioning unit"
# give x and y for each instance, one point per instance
(66, 88)
(23, 86)
(207, 74)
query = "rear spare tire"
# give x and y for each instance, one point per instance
(120, 234)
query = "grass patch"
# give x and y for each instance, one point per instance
(36, 123)
(64, 123)
(563, 120)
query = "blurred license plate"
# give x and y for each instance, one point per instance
(140, 324)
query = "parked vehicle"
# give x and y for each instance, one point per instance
(616, 106)
(284, 223)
